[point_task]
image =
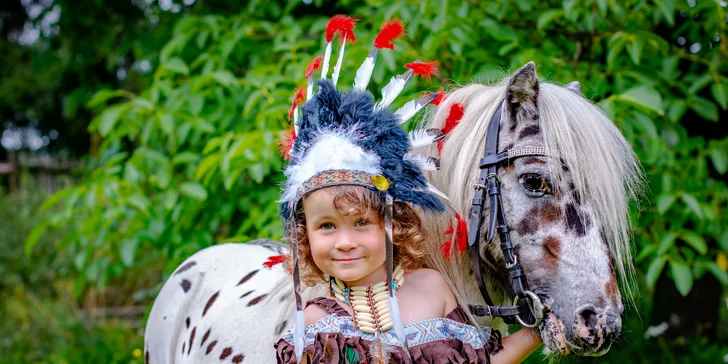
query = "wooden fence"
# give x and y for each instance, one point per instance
(45, 172)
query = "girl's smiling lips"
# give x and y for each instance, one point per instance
(346, 260)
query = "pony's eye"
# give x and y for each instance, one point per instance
(535, 183)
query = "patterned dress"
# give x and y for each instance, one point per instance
(334, 340)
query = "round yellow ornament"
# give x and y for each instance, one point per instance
(380, 182)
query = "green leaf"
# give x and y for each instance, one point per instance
(718, 273)
(700, 83)
(643, 96)
(719, 157)
(127, 251)
(193, 190)
(703, 107)
(547, 17)
(667, 7)
(32, 239)
(109, 117)
(666, 243)
(719, 94)
(185, 158)
(141, 202)
(664, 203)
(723, 241)
(695, 240)
(635, 49)
(677, 110)
(176, 65)
(693, 204)
(682, 275)
(102, 96)
(654, 270)
(225, 78)
(256, 171)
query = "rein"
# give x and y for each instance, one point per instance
(527, 308)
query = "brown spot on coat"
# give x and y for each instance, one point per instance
(210, 347)
(246, 294)
(238, 358)
(533, 160)
(282, 326)
(550, 213)
(531, 130)
(529, 224)
(552, 249)
(184, 346)
(612, 290)
(574, 220)
(146, 357)
(256, 300)
(187, 322)
(185, 267)
(186, 285)
(192, 339)
(247, 277)
(204, 337)
(210, 302)
(226, 352)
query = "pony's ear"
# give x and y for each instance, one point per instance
(522, 90)
(574, 86)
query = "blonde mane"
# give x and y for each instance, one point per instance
(605, 170)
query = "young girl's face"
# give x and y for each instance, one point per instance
(349, 245)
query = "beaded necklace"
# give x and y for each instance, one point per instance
(370, 304)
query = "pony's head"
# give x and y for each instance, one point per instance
(568, 212)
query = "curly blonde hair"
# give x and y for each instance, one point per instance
(408, 233)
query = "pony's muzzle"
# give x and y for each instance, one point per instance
(595, 329)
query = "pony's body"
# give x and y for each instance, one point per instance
(571, 242)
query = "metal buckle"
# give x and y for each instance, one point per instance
(511, 265)
(477, 185)
(537, 309)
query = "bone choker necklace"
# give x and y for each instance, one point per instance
(369, 303)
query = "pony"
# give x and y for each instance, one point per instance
(569, 215)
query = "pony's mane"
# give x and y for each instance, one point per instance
(605, 170)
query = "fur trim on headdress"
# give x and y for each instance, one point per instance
(391, 30)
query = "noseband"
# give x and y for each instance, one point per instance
(527, 308)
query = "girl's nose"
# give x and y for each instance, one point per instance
(346, 240)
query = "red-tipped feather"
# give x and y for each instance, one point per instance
(300, 95)
(441, 95)
(391, 30)
(453, 118)
(424, 69)
(343, 25)
(462, 238)
(447, 249)
(314, 66)
(274, 260)
(288, 137)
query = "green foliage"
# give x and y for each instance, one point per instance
(192, 159)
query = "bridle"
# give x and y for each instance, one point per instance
(527, 308)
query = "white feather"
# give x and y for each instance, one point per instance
(337, 67)
(397, 318)
(434, 190)
(411, 108)
(423, 137)
(309, 89)
(392, 90)
(364, 73)
(327, 59)
(425, 163)
(295, 120)
(333, 150)
(299, 330)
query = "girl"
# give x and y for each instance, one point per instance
(349, 209)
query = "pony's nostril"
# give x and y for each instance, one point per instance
(589, 317)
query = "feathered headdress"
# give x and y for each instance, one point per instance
(346, 138)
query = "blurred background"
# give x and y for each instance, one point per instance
(136, 132)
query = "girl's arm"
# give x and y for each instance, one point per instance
(517, 347)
